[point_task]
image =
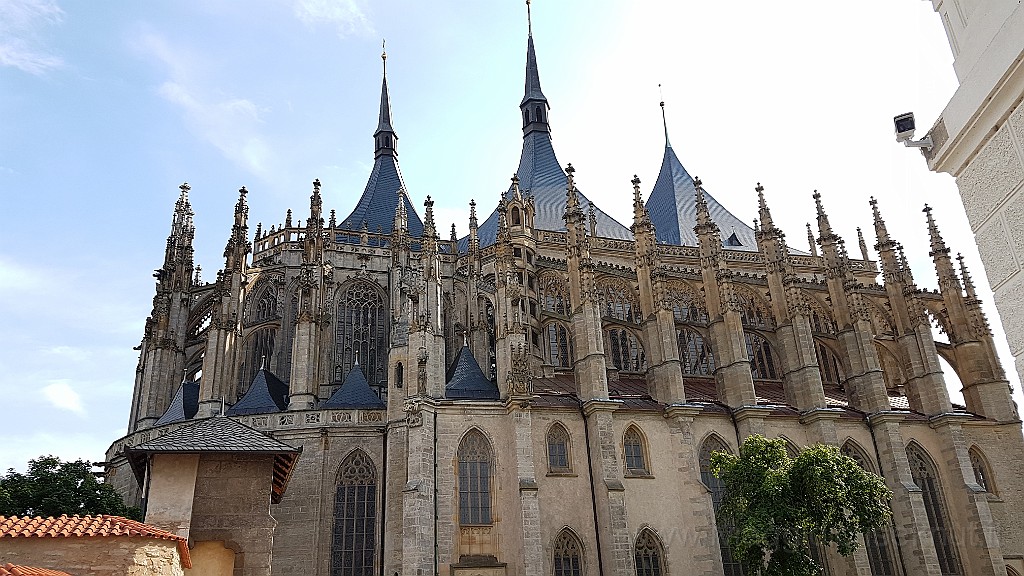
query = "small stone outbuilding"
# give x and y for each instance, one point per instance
(95, 545)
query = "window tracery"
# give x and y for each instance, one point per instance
(625, 349)
(475, 466)
(559, 450)
(354, 534)
(753, 312)
(648, 554)
(258, 351)
(687, 306)
(554, 295)
(695, 353)
(717, 488)
(567, 554)
(619, 302)
(265, 305)
(362, 335)
(560, 346)
(762, 357)
(821, 321)
(829, 366)
(877, 543)
(981, 471)
(635, 452)
(925, 475)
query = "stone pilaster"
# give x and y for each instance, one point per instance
(612, 526)
(418, 511)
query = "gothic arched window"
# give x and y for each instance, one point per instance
(354, 536)
(626, 351)
(257, 352)
(634, 452)
(618, 301)
(923, 471)
(476, 461)
(753, 313)
(877, 543)
(266, 305)
(717, 488)
(362, 334)
(695, 353)
(821, 321)
(762, 357)
(686, 305)
(981, 470)
(560, 352)
(554, 296)
(567, 556)
(517, 219)
(559, 450)
(649, 554)
(829, 366)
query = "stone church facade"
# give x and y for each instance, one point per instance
(542, 396)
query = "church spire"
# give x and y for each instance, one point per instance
(534, 104)
(664, 121)
(384, 139)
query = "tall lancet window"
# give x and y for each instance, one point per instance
(922, 469)
(362, 334)
(716, 486)
(695, 353)
(476, 464)
(567, 557)
(354, 537)
(877, 543)
(649, 554)
(625, 350)
(762, 357)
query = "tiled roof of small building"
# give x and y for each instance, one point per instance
(266, 394)
(16, 570)
(101, 526)
(355, 393)
(466, 381)
(183, 406)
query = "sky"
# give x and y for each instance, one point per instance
(107, 107)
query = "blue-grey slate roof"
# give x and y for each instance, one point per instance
(266, 394)
(532, 91)
(216, 434)
(376, 207)
(183, 406)
(673, 209)
(466, 381)
(542, 176)
(355, 393)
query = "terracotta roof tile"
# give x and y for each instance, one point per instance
(15, 570)
(102, 525)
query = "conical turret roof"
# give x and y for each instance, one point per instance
(266, 394)
(355, 394)
(466, 381)
(183, 406)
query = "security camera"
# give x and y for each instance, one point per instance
(904, 126)
(905, 132)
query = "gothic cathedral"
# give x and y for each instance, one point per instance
(542, 396)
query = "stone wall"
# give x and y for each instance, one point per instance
(95, 556)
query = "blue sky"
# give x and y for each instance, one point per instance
(105, 108)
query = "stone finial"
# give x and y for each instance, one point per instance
(966, 275)
(516, 193)
(863, 244)
(454, 236)
(333, 222)
(810, 240)
(288, 218)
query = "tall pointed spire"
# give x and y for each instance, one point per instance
(384, 139)
(534, 104)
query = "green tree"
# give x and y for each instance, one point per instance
(51, 488)
(776, 503)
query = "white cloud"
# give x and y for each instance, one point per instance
(232, 125)
(17, 277)
(346, 15)
(21, 22)
(61, 395)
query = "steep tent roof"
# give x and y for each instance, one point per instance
(355, 393)
(376, 207)
(183, 406)
(539, 172)
(266, 394)
(466, 381)
(673, 209)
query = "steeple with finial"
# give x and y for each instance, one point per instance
(385, 141)
(534, 105)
